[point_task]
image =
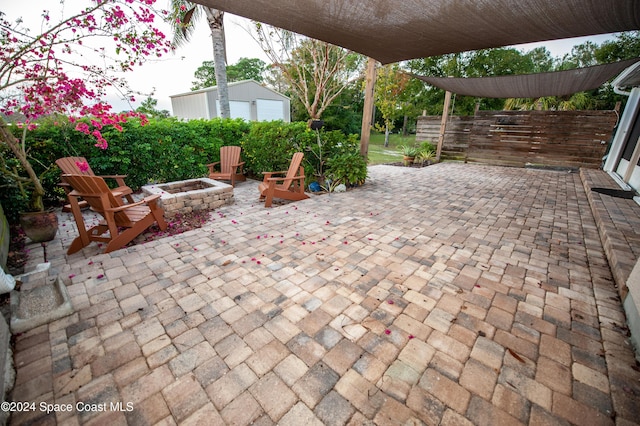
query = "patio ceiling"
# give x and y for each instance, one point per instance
(395, 30)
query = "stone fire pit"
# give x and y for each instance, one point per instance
(186, 196)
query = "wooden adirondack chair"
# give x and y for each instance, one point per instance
(122, 222)
(230, 165)
(72, 166)
(289, 187)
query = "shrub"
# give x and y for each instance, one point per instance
(167, 150)
(269, 145)
(350, 169)
(164, 150)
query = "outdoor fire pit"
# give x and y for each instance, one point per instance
(189, 195)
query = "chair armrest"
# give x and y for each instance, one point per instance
(118, 178)
(146, 200)
(274, 173)
(113, 176)
(284, 179)
(267, 176)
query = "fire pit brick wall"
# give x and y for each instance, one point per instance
(191, 195)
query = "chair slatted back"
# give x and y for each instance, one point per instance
(294, 167)
(71, 166)
(94, 190)
(229, 156)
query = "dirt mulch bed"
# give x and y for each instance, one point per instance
(414, 165)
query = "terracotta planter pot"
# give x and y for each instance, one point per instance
(408, 160)
(39, 226)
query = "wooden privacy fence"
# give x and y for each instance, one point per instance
(525, 138)
(456, 136)
(541, 138)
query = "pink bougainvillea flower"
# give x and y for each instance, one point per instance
(90, 262)
(72, 275)
(411, 336)
(391, 302)
(101, 276)
(83, 166)
(387, 331)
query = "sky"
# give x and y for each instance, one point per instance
(174, 74)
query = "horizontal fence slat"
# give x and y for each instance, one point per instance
(545, 138)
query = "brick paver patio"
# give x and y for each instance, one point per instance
(455, 294)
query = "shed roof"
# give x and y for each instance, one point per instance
(395, 30)
(231, 84)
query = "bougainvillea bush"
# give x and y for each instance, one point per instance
(67, 67)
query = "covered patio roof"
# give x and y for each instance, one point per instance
(395, 30)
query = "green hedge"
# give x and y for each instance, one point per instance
(167, 150)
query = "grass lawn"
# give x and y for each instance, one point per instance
(379, 154)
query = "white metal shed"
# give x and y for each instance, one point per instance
(248, 99)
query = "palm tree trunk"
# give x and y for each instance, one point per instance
(215, 19)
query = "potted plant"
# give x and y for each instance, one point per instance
(38, 224)
(409, 153)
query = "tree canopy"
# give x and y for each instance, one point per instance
(244, 69)
(511, 61)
